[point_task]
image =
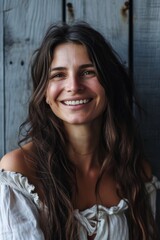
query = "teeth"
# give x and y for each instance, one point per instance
(76, 102)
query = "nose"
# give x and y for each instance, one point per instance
(73, 84)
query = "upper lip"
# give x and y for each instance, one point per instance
(75, 99)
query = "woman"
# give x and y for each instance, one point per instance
(82, 173)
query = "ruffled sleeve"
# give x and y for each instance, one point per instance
(152, 188)
(19, 208)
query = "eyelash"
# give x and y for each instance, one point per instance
(88, 73)
(83, 74)
(58, 76)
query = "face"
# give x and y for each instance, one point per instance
(73, 91)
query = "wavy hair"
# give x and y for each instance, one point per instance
(123, 149)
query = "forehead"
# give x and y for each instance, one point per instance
(70, 52)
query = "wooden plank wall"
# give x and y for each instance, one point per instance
(23, 23)
(1, 82)
(108, 18)
(147, 74)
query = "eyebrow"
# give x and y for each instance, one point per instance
(57, 68)
(86, 65)
(64, 68)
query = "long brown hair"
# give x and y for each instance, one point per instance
(120, 139)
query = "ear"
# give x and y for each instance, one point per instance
(47, 101)
(46, 97)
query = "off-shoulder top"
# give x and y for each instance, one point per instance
(20, 209)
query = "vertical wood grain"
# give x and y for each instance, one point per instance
(1, 83)
(108, 18)
(147, 74)
(25, 22)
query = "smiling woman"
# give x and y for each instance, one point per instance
(82, 173)
(74, 92)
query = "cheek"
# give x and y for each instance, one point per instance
(52, 93)
(104, 103)
(101, 92)
(103, 98)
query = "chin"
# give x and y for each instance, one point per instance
(79, 121)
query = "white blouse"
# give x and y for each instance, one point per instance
(20, 209)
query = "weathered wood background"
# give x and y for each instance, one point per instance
(22, 26)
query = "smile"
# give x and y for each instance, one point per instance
(76, 102)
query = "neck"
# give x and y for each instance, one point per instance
(84, 146)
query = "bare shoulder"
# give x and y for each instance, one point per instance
(14, 161)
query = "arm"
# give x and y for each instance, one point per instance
(19, 214)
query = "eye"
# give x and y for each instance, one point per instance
(57, 76)
(88, 73)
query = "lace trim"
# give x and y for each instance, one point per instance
(89, 218)
(19, 182)
(153, 185)
(122, 205)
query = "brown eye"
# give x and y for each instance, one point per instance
(88, 73)
(57, 76)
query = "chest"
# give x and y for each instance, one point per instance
(87, 195)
